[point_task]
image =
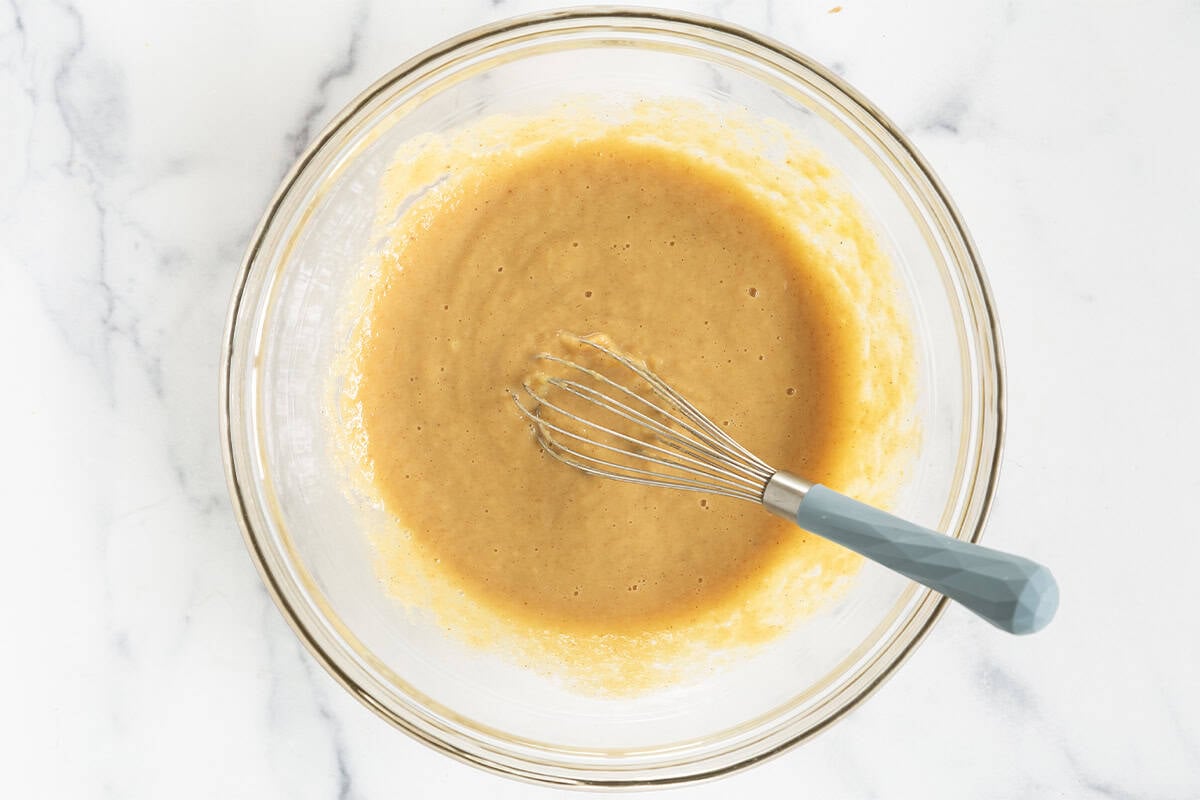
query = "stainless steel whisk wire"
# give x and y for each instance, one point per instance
(711, 460)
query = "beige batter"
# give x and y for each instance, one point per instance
(695, 258)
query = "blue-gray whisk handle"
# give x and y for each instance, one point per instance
(1011, 592)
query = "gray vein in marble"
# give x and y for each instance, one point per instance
(18, 28)
(62, 75)
(101, 305)
(953, 111)
(205, 503)
(21, 74)
(93, 283)
(1004, 687)
(18, 23)
(948, 115)
(92, 103)
(1181, 731)
(309, 671)
(345, 66)
(339, 751)
(1100, 788)
(92, 110)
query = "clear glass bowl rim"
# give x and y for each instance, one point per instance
(983, 325)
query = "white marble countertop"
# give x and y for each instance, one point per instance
(139, 142)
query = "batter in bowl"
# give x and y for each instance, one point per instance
(752, 281)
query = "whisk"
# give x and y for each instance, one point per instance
(652, 435)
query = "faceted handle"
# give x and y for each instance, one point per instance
(1011, 592)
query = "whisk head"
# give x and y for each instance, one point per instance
(619, 420)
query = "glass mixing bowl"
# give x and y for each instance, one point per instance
(305, 532)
